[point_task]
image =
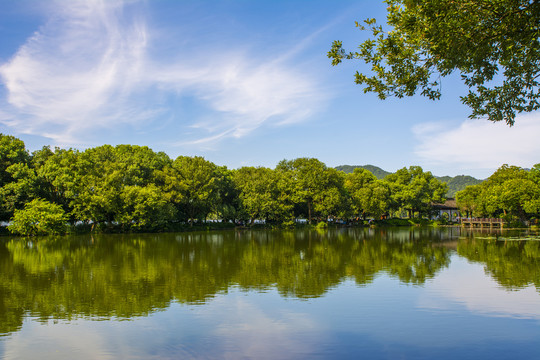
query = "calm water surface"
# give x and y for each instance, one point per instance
(347, 293)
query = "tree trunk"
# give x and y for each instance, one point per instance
(309, 211)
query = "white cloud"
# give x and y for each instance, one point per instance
(480, 144)
(90, 68)
(246, 95)
(75, 72)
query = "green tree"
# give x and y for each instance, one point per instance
(314, 186)
(333, 201)
(533, 205)
(56, 175)
(102, 174)
(260, 194)
(494, 45)
(511, 191)
(414, 190)
(468, 200)
(228, 206)
(144, 208)
(193, 185)
(97, 186)
(12, 151)
(379, 200)
(14, 160)
(39, 217)
(21, 189)
(534, 174)
(358, 184)
(369, 195)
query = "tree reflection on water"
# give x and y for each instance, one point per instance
(123, 276)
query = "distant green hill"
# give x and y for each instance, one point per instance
(455, 183)
(377, 171)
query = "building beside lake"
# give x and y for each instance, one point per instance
(449, 207)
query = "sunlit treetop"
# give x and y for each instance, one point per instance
(493, 44)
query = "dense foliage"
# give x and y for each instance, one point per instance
(494, 45)
(455, 183)
(132, 188)
(39, 217)
(511, 192)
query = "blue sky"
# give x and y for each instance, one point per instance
(240, 82)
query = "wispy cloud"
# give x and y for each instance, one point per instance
(91, 67)
(76, 72)
(480, 144)
(246, 94)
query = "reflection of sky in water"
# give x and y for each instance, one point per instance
(460, 313)
(467, 285)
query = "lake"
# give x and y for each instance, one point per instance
(410, 293)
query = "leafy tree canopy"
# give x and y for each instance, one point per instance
(39, 217)
(12, 151)
(368, 194)
(494, 45)
(510, 191)
(193, 183)
(468, 199)
(415, 190)
(314, 185)
(261, 195)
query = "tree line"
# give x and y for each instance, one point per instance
(454, 183)
(133, 188)
(510, 192)
(137, 189)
